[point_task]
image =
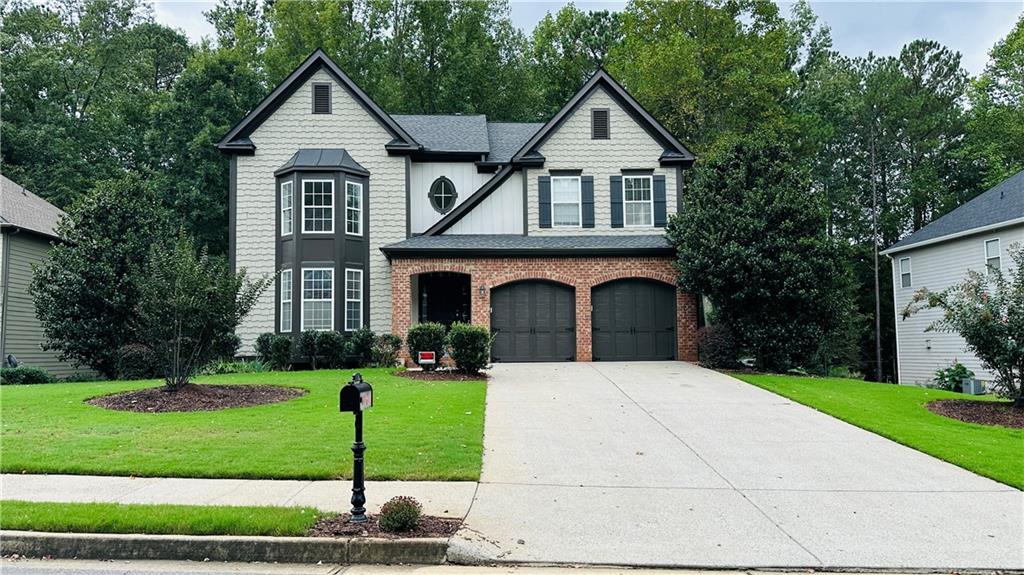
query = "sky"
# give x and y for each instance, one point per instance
(882, 27)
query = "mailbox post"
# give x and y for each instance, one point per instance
(355, 397)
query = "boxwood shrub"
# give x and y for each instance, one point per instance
(427, 336)
(470, 347)
(24, 375)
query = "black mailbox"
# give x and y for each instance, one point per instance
(356, 396)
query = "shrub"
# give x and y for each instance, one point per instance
(24, 375)
(83, 377)
(226, 347)
(952, 377)
(309, 347)
(274, 350)
(386, 350)
(400, 514)
(360, 348)
(222, 367)
(332, 349)
(716, 347)
(137, 361)
(428, 336)
(470, 347)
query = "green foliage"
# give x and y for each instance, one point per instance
(24, 375)
(189, 304)
(332, 349)
(387, 348)
(470, 347)
(360, 347)
(274, 350)
(952, 378)
(85, 294)
(426, 336)
(82, 377)
(752, 242)
(988, 312)
(309, 347)
(399, 514)
(238, 366)
(137, 361)
(716, 347)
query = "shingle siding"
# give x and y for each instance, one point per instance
(937, 267)
(290, 128)
(570, 147)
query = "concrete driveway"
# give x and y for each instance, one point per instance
(669, 464)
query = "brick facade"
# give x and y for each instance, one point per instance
(581, 273)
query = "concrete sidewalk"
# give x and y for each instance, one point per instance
(440, 498)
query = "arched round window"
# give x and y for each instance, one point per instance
(443, 195)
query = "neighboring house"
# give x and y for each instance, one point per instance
(551, 234)
(26, 232)
(975, 236)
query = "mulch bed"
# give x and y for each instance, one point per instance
(195, 397)
(984, 412)
(440, 375)
(338, 526)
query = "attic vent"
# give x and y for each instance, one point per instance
(321, 98)
(599, 129)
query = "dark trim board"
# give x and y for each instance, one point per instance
(233, 210)
(525, 252)
(471, 202)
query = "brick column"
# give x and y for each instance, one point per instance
(480, 303)
(583, 319)
(401, 302)
(686, 326)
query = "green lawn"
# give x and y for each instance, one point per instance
(155, 519)
(415, 430)
(897, 412)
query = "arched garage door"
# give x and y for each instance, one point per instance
(533, 320)
(634, 319)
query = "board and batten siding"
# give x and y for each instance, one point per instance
(290, 128)
(938, 266)
(499, 213)
(464, 177)
(21, 330)
(570, 147)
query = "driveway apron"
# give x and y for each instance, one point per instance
(669, 464)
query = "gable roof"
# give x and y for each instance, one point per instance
(507, 137)
(20, 208)
(1000, 206)
(448, 133)
(237, 139)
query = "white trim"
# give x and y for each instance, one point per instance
(334, 213)
(897, 318)
(947, 237)
(291, 299)
(624, 202)
(359, 299)
(302, 308)
(909, 272)
(291, 220)
(999, 253)
(579, 201)
(361, 211)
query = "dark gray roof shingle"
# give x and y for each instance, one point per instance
(21, 208)
(1002, 203)
(510, 245)
(447, 133)
(507, 137)
(322, 159)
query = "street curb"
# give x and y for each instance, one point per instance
(423, 551)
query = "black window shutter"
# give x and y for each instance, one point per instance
(616, 201)
(660, 216)
(544, 196)
(321, 98)
(587, 197)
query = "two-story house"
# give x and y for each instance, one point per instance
(549, 233)
(976, 236)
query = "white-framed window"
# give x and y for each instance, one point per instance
(566, 208)
(287, 208)
(638, 201)
(353, 299)
(992, 259)
(353, 208)
(905, 279)
(317, 206)
(286, 301)
(318, 299)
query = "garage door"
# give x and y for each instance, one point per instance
(533, 321)
(634, 319)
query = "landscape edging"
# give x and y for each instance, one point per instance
(425, 551)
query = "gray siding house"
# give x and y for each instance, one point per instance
(974, 236)
(550, 234)
(26, 233)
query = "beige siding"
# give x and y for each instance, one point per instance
(463, 175)
(499, 213)
(938, 266)
(571, 148)
(288, 129)
(22, 331)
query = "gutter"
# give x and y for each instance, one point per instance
(392, 252)
(952, 236)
